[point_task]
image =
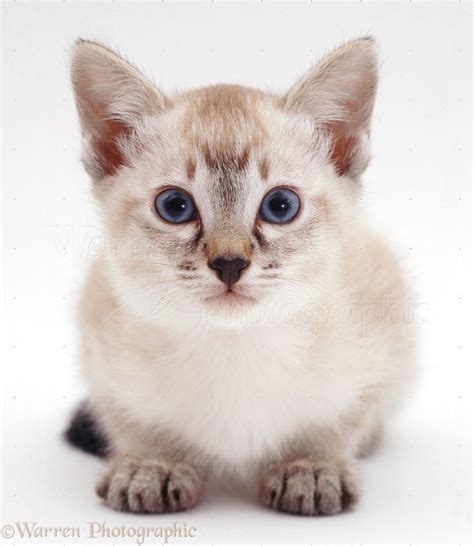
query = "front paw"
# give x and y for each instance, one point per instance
(156, 487)
(309, 487)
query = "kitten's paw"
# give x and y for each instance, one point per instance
(156, 487)
(309, 487)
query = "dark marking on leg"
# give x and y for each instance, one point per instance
(165, 494)
(316, 495)
(273, 498)
(283, 491)
(176, 495)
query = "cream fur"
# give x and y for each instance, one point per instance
(303, 366)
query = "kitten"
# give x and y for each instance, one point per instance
(243, 319)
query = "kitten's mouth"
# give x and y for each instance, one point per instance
(231, 296)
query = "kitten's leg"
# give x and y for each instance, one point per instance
(318, 475)
(149, 470)
(150, 486)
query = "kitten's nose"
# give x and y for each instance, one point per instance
(228, 270)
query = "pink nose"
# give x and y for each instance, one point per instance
(228, 270)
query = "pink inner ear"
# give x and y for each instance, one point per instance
(343, 147)
(106, 146)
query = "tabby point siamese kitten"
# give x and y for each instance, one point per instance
(242, 319)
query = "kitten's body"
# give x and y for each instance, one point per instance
(292, 374)
(238, 392)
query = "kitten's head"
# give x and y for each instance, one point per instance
(225, 196)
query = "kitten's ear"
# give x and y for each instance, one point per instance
(111, 97)
(339, 94)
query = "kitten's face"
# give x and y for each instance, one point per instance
(227, 198)
(211, 161)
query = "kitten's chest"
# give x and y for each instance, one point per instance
(236, 395)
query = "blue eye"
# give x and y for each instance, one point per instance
(279, 206)
(175, 206)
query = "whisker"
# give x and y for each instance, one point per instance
(319, 317)
(296, 281)
(117, 310)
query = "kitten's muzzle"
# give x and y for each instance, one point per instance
(228, 270)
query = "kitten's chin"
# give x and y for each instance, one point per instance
(229, 299)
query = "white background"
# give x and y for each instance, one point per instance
(418, 486)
